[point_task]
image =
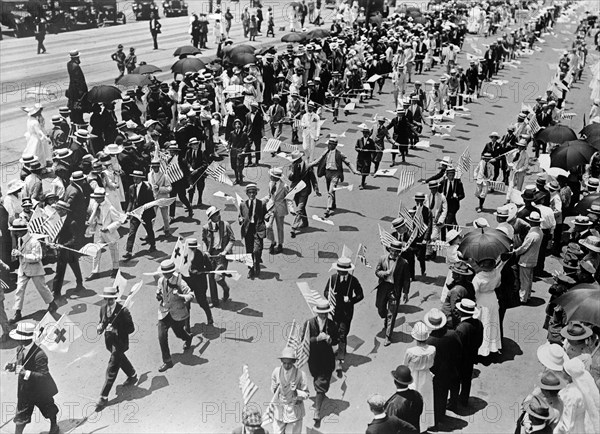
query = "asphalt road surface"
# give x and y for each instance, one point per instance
(200, 393)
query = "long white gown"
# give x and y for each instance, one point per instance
(485, 283)
(420, 359)
(38, 142)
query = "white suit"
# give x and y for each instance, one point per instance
(311, 130)
(105, 216)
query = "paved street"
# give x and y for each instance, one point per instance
(200, 393)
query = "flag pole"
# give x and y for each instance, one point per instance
(287, 344)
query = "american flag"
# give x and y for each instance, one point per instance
(52, 226)
(311, 296)
(407, 180)
(247, 386)
(217, 172)
(303, 351)
(173, 171)
(300, 344)
(273, 145)
(289, 75)
(419, 222)
(362, 255)
(464, 163)
(408, 221)
(269, 413)
(296, 123)
(533, 124)
(331, 298)
(293, 338)
(385, 237)
(36, 223)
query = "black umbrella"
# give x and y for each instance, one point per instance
(293, 37)
(103, 93)
(556, 134)
(484, 243)
(585, 203)
(146, 69)
(582, 303)
(590, 130)
(237, 49)
(594, 141)
(186, 50)
(189, 64)
(318, 33)
(568, 156)
(242, 59)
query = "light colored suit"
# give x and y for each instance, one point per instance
(311, 130)
(161, 187)
(30, 268)
(279, 210)
(438, 209)
(105, 216)
(174, 304)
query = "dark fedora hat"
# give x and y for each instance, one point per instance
(402, 375)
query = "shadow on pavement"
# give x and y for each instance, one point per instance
(355, 360)
(475, 404)
(131, 393)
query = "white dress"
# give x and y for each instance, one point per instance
(38, 142)
(114, 188)
(485, 283)
(451, 259)
(420, 359)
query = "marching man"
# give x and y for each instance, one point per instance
(311, 130)
(277, 207)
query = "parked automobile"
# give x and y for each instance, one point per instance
(144, 9)
(107, 12)
(67, 15)
(17, 15)
(175, 8)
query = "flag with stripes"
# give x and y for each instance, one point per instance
(464, 163)
(289, 75)
(419, 223)
(217, 172)
(293, 340)
(37, 220)
(273, 145)
(385, 237)
(362, 255)
(408, 220)
(407, 180)
(52, 226)
(173, 171)
(331, 297)
(311, 296)
(247, 386)
(303, 351)
(296, 123)
(533, 124)
(269, 414)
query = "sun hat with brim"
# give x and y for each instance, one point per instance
(138, 174)
(33, 110)
(576, 331)
(288, 353)
(25, 331)
(468, 307)
(591, 243)
(452, 235)
(322, 307)
(212, 211)
(98, 193)
(462, 268)
(14, 185)
(402, 375)
(570, 261)
(110, 292)
(435, 319)
(538, 408)
(420, 332)
(18, 225)
(252, 187)
(481, 223)
(552, 356)
(550, 381)
(167, 266)
(343, 264)
(113, 149)
(588, 267)
(295, 155)
(534, 217)
(28, 159)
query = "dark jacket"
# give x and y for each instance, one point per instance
(225, 234)
(351, 288)
(260, 210)
(406, 405)
(389, 425)
(300, 172)
(456, 188)
(122, 323)
(40, 387)
(321, 163)
(78, 202)
(470, 334)
(146, 195)
(321, 358)
(448, 351)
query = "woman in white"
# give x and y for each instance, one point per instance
(288, 383)
(517, 164)
(111, 176)
(215, 124)
(420, 359)
(453, 238)
(218, 31)
(12, 200)
(575, 405)
(485, 282)
(38, 143)
(250, 91)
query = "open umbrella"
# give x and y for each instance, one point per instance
(567, 156)
(103, 93)
(582, 303)
(318, 33)
(556, 134)
(134, 80)
(293, 37)
(186, 50)
(594, 141)
(189, 64)
(585, 203)
(235, 49)
(242, 59)
(590, 130)
(484, 243)
(265, 50)
(146, 69)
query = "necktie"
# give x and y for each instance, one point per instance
(251, 210)
(273, 188)
(449, 193)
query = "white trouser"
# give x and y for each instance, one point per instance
(308, 145)
(39, 283)
(113, 248)
(164, 213)
(277, 221)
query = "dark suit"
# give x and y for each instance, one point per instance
(406, 405)
(117, 342)
(78, 202)
(254, 233)
(135, 201)
(321, 360)
(389, 294)
(239, 144)
(76, 91)
(445, 367)
(197, 163)
(470, 333)
(454, 193)
(344, 311)
(218, 261)
(254, 129)
(389, 425)
(39, 390)
(197, 281)
(66, 237)
(300, 172)
(178, 188)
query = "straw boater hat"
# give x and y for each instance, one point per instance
(468, 307)
(252, 187)
(295, 155)
(110, 292)
(26, 201)
(35, 166)
(192, 243)
(14, 185)
(576, 331)
(276, 172)
(62, 153)
(138, 174)
(77, 176)
(435, 319)
(25, 331)
(167, 266)
(74, 54)
(398, 223)
(212, 211)
(581, 220)
(420, 332)
(322, 307)
(594, 208)
(288, 353)
(28, 159)
(552, 356)
(402, 375)
(83, 134)
(63, 205)
(99, 193)
(591, 243)
(113, 149)
(395, 245)
(462, 268)
(343, 264)
(550, 381)
(18, 225)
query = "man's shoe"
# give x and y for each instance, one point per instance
(279, 249)
(131, 381)
(114, 273)
(165, 366)
(16, 317)
(387, 342)
(52, 307)
(102, 402)
(152, 249)
(272, 249)
(187, 344)
(94, 276)
(339, 369)
(127, 256)
(293, 234)
(251, 273)
(317, 423)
